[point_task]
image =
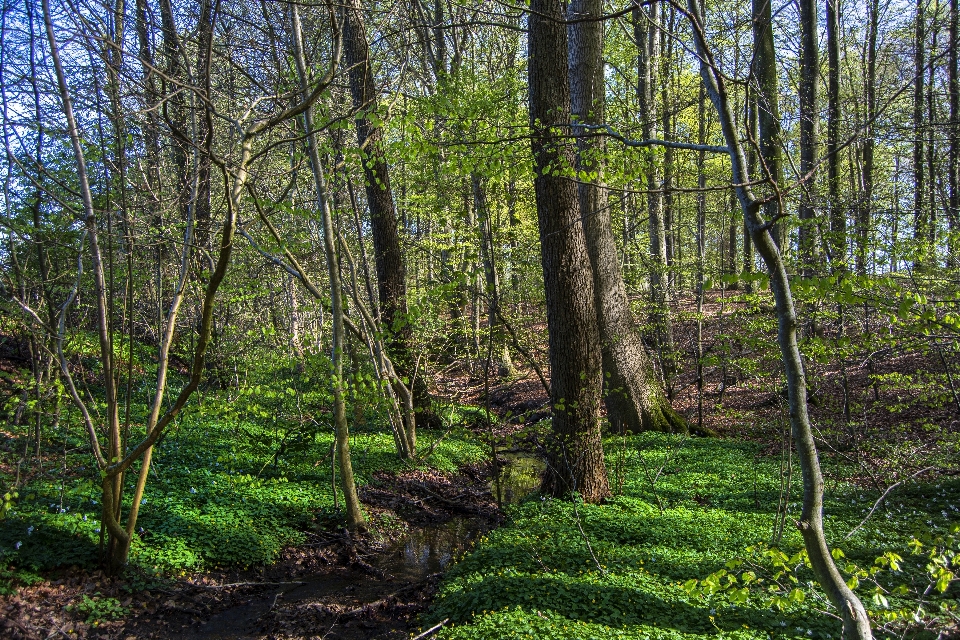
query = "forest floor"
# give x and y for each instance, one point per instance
(242, 538)
(333, 585)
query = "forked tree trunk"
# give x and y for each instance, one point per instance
(576, 455)
(856, 624)
(633, 396)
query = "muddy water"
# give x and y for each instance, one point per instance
(518, 478)
(419, 554)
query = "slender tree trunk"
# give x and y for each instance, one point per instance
(576, 456)
(953, 172)
(752, 158)
(647, 40)
(865, 205)
(350, 498)
(391, 270)
(920, 219)
(202, 116)
(809, 116)
(768, 111)
(931, 142)
(838, 217)
(632, 394)
(701, 242)
(488, 256)
(856, 624)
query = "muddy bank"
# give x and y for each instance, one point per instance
(335, 585)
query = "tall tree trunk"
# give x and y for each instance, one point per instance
(953, 171)
(920, 219)
(350, 499)
(865, 205)
(391, 270)
(500, 351)
(665, 78)
(576, 456)
(646, 35)
(809, 116)
(752, 158)
(856, 624)
(768, 110)
(838, 216)
(204, 128)
(632, 394)
(931, 142)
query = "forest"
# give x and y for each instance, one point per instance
(472, 319)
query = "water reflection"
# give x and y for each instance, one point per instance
(519, 477)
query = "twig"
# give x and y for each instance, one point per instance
(881, 499)
(244, 584)
(432, 630)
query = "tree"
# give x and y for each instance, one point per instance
(856, 624)
(953, 170)
(576, 456)
(764, 74)
(390, 265)
(634, 398)
(120, 456)
(646, 29)
(350, 498)
(809, 117)
(838, 217)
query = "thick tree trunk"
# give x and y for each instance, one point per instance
(391, 270)
(856, 624)
(809, 116)
(634, 398)
(576, 455)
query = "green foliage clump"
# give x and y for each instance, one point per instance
(98, 608)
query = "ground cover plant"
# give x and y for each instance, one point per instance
(225, 494)
(297, 299)
(654, 562)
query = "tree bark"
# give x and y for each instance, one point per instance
(768, 111)
(633, 396)
(576, 461)
(350, 498)
(809, 116)
(838, 217)
(390, 266)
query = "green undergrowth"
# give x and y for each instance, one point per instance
(684, 509)
(222, 492)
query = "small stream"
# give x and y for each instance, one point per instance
(420, 553)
